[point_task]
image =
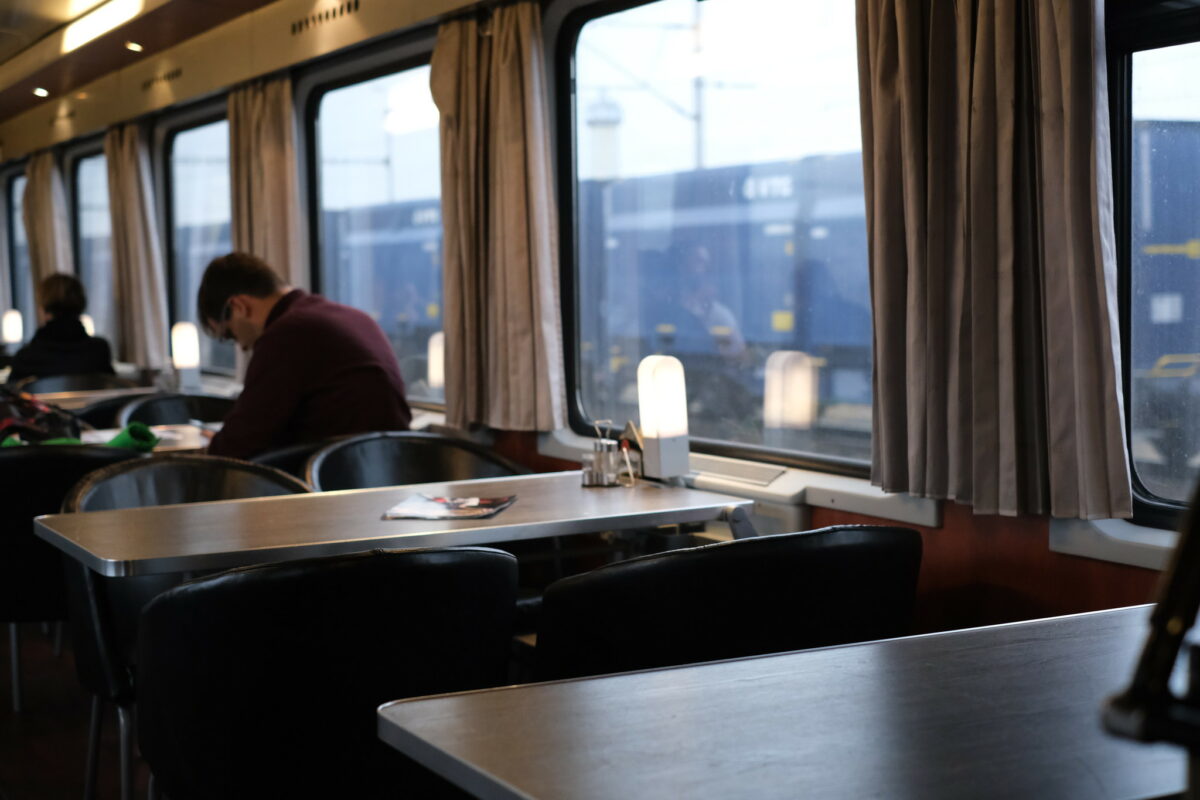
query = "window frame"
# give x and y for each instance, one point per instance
(310, 85)
(72, 155)
(1134, 26)
(562, 25)
(8, 176)
(167, 128)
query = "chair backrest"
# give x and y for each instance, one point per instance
(396, 458)
(35, 480)
(103, 412)
(76, 383)
(104, 610)
(264, 681)
(745, 597)
(292, 459)
(174, 409)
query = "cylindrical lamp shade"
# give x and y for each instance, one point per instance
(185, 345)
(13, 327)
(436, 361)
(662, 406)
(790, 390)
(89, 324)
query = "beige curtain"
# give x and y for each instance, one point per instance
(138, 273)
(989, 212)
(47, 226)
(502, 321)
(267, 217)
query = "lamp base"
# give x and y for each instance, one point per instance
(665, 458)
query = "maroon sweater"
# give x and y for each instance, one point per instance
(319, 369)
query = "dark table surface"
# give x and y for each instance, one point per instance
(1009, 711)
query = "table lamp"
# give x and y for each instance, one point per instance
(662, 407)
(89, 324)
(185, 355)
(13, 327)
(436, 361)
(790, 390)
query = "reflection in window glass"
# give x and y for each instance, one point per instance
(1165, 245)
(381, 230)
(200, 219)
(720, 218)
(94, 232)
(22, 266)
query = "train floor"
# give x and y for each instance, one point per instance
(43, 748)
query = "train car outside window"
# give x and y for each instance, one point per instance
(200, 224)
(719, 217)
(20, 263)
(93, 242)
(379, 198)
(1164, 251)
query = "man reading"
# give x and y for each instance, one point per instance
(318, 368)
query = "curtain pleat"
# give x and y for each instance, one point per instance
(993, 278)
(138, 273)
(268, 220)
(502, 321)
(46, 219)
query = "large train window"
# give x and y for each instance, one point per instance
(19, 260)
(719, 217)
(200, 203)
(379, 201)
(1164, 253)
(93, 242)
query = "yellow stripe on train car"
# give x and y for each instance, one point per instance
(783, 321)
(1176, 365)
(1190, 248)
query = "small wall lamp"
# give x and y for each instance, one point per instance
(185, 355)
(13, 327)
(791, 390)
(662, 406)
(436, 361)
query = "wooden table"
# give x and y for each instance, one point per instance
(1010, 711)
(172, 438)
(74, 401)
(218, 535)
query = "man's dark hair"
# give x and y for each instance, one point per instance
(61, 295)
(235, 273)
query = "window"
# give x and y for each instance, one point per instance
(379, 201)
(200, 224)
(1164, 254)
(22, 266)
(93, 243)
(719, 217)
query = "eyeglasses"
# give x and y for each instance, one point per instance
(225, 334)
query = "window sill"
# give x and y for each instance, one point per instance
(777, 487)
(1115, 540)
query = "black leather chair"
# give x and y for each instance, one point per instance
(293, 459)
(75, 383)
(395, 458)
(104, 611)
(746, 597)
(174, 409)
(264, 681)
(103, 412)
(35, 480)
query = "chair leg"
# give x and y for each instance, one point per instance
(125, 720)
(152, 789)
(14, 644)
(93, 752)
(58, 639)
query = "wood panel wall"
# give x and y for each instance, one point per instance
(984, 570)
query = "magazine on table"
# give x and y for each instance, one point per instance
(422, 506)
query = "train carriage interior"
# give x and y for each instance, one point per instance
(920, 265)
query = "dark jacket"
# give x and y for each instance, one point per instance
(62, 347)
(319, 369)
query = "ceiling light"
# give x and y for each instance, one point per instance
(40, 92)
(134, 46)
(82, 95)
(96, 23)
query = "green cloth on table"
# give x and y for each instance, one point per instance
(136, 436)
